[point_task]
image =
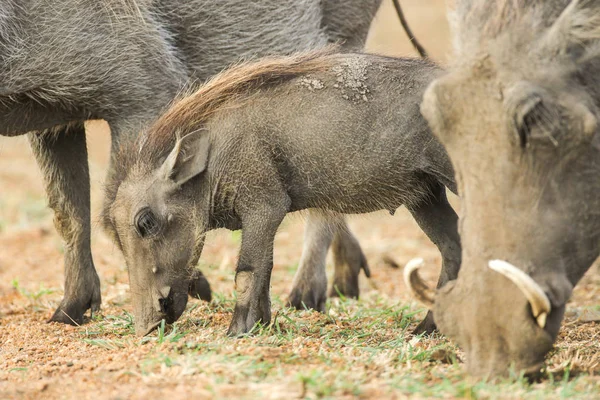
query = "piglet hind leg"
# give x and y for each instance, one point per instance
(62, 157)
(310, 283)
(348, 260)
(309, 288)
(253, 272)
(439, 222)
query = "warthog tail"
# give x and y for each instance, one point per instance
(420, 49)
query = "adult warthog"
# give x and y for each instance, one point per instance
(68, 61)
(518, 114)
(338, 133)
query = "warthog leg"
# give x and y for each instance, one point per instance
(348, 260)
(253, 272)
(309, 288)
(438, 220)
(61, 154)
(310, 283)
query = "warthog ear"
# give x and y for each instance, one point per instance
(577, 25)
(431, 108)
(188, 158)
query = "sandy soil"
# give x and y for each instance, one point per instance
(103, 360)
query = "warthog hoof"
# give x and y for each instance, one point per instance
(349, 260)
(427, 326)
(199, 286)
(245, 318)
(79, 297)
(308, 298)
(346, 286)
(345, 283)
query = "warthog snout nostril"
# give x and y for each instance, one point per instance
(164, 304)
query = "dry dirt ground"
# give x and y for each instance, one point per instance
(357, 349)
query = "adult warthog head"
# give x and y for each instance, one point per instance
(518, 115)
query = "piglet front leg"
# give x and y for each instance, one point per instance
(253, 303)
(253, 273)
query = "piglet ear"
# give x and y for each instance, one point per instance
(188, 158)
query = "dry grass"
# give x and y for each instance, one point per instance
(358, 349)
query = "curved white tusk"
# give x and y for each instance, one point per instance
(540, 305)
(414, 282)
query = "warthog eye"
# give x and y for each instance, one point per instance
(146, 223)
(536, 120)
(526, 118)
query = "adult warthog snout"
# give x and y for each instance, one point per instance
(515, 312)
(540, 305)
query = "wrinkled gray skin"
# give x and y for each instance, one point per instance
(123, 60)
(518, 115)
(349, 139)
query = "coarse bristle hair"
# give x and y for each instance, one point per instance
(547, 28)
(229, 88)
(192, 109)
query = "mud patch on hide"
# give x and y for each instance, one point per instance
(311, 83)
(351, 79)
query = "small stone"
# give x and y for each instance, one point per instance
(42, 386)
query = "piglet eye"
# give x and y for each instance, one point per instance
(146, 223)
